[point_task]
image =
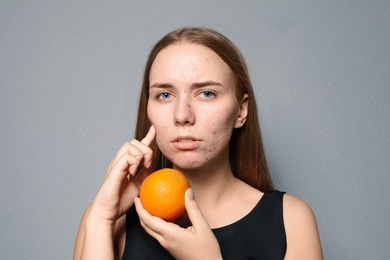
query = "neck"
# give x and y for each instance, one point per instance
(211, 185)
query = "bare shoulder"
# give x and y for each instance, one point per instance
(303, 240)
(293, 206)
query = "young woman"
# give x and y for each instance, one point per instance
(197, 114)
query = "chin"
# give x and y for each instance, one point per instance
(187, 164)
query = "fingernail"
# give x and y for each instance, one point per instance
(190, 194)
(148, 164)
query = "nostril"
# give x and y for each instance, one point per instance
(183, 114)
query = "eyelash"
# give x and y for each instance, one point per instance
(163, 95)
(206, 94)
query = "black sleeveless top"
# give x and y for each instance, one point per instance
(258, 235)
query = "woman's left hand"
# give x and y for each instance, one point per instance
(194, 242)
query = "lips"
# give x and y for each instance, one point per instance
(185, 139)
(185, 142)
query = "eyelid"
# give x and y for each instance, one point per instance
(201, 88)
(203, 92)
(159, 95)
(158, 89)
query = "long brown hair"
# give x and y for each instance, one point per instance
(247, 157)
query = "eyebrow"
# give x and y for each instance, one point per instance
(161, 85)
(207, 83)
(195, 85)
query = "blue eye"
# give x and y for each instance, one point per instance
(207, 94)
(164, 95)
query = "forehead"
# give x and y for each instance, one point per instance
(188, 58)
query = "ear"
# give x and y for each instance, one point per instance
(242, 112)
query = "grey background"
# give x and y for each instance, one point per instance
(70, 74)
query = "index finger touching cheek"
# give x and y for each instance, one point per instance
(147, 140)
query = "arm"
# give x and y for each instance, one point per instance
(102, 234)
(96, 236)
(119, 233)
(303, 240)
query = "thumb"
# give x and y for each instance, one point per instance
(193, 211)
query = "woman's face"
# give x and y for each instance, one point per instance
(193, 106)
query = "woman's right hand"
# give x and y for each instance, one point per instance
(117, 193)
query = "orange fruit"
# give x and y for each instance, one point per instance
(162, 193)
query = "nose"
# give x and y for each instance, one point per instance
(183, 114)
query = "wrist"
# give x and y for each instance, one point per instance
(100, 216)
(96, 221)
